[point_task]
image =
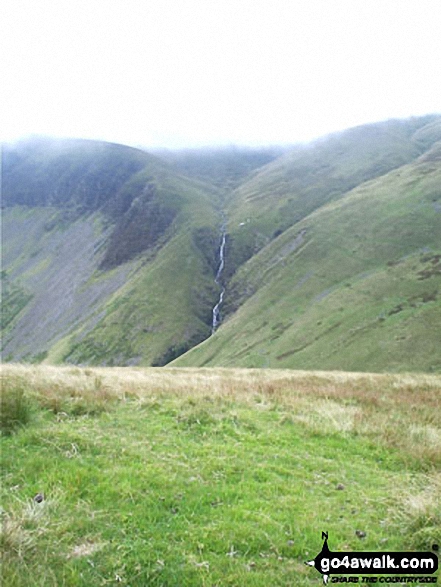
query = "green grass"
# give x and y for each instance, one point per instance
(199, 477)
(15, 406)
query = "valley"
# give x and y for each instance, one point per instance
(318, 256)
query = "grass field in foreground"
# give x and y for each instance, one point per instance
(211, 477)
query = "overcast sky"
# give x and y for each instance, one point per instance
(177, 73)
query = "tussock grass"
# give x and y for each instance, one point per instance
(398, 410)
(23, 525)
(74, 392)
(419, 513)
(15, 405)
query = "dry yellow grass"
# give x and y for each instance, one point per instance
(399, 410)
(239, 383)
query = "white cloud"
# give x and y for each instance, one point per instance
(191, 72)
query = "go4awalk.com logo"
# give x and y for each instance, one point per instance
(396, 565)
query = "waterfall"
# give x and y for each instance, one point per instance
(216, 311)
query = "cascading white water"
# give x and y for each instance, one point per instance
(216, 309)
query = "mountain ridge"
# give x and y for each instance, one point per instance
(144, 279)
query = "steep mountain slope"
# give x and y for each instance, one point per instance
(333, 255)
(103, 249)
(284, 192)
(353, 285)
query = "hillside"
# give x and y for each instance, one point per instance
(97, 240)
(284, 192)
(332, 256)
(354, 285)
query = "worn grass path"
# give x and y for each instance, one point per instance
(175, 477)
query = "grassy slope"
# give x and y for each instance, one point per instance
(102, 282)
(354, 285)
(211, 477)
(284, 192)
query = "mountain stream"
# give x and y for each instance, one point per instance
(216, 310)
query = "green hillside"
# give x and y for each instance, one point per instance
(105, 255)
(82, 177)
(332, 256)
(354, 284)
(287, 190)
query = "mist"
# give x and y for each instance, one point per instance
(187, 73)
